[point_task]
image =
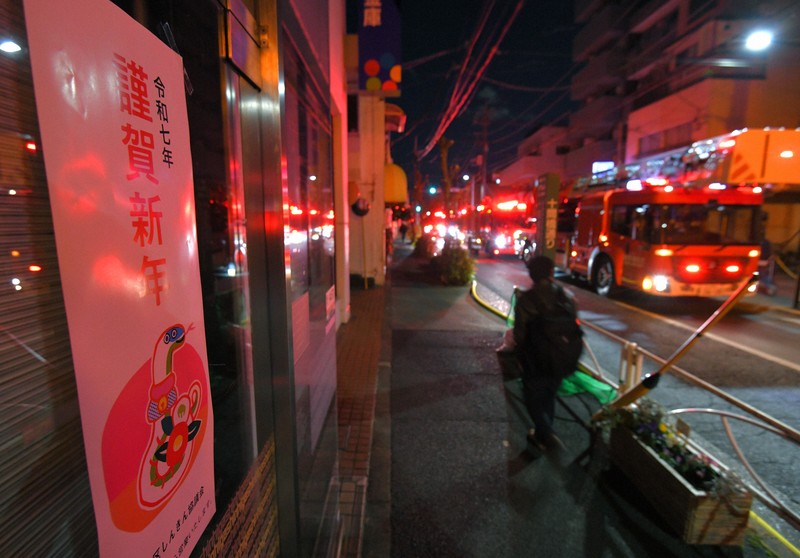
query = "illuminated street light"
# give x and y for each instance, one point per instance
(9, 46)
(758, 40)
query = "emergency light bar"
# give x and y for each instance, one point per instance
(637, 185)
(511, 205)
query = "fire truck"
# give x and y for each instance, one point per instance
(683, 223)
(502, 226)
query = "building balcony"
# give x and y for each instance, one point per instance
(651, 13)
(596, 118)
(649, 53)
(585, 8)
(601, 30)
(662, 84)
(660, 46)
(579, 161)
(603, 72)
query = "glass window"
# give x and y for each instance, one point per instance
(620, 220)
(566, 216)
(310, 242)
(711, 223)
(222, 252)
(310, 188)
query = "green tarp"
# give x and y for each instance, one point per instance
(579, 382)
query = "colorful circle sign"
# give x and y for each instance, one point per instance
(372, 67)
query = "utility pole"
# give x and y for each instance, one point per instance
(484, 166)
(419, 183)
(444, 145)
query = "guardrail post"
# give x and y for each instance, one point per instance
(631, 360)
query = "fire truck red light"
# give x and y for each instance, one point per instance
(30, 146)
(693, 268)
(733, 269)
(34, 267)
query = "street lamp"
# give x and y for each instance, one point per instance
(9, 46)
(758, 40)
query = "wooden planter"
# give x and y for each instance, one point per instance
(696, 516)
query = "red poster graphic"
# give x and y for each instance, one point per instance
(154, 431)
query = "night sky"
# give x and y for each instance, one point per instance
(524, 86)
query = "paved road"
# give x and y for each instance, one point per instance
(461, 479)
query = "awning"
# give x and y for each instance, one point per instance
(395, 184)
(395, 118)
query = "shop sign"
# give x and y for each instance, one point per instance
(379, 48)
(115, 140)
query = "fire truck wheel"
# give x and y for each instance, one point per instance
(603, 276)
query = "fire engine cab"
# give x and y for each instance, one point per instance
(684, 223)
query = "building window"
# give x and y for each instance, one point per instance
(352, 113)
(665, 139)
(310, 242)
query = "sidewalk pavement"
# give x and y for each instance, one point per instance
(434, 459)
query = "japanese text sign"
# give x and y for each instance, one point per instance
(115, 141)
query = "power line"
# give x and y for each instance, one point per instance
(425, 59)
(463, 92)
(525, 88)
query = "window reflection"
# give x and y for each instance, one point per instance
(309, 241)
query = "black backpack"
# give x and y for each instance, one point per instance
(557, 337)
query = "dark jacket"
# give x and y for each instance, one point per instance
(534, 344)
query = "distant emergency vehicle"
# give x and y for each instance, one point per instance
(501, 227)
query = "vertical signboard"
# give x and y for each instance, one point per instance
(379, 47)
(547, 187)
(115, 139)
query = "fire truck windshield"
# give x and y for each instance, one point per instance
(689, 224)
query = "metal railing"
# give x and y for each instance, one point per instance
(631, 364)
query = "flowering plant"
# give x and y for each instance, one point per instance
(650, 423)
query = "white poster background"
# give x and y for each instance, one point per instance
(139, 353)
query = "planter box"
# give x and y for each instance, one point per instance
(696, 516)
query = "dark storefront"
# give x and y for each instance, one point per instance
(261, 144)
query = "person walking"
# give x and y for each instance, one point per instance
(548, 341)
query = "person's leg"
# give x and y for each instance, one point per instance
(540, 401)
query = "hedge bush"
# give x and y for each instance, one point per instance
(454, 266)
(424, 247)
